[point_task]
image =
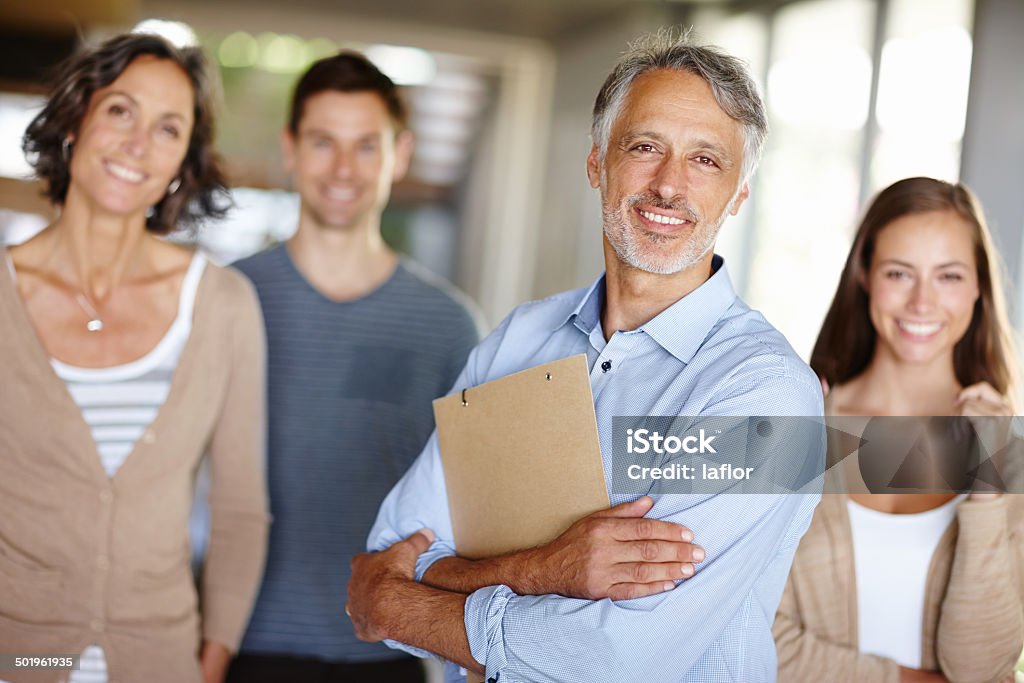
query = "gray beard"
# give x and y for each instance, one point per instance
(627, 241)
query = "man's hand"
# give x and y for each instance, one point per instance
(213, 662)
(374, 576)
(616, 553)
(386, 602)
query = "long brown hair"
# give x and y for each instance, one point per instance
(847, 339)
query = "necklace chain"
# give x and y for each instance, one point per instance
(95, 323)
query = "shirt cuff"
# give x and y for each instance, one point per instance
(414, 651)
(484, 617)
(438, 550)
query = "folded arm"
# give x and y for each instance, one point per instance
(748, 540)
(617, 554)
(386, 602)
(551, 638)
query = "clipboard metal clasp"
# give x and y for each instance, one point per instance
(465, 401)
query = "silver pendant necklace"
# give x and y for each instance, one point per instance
(95, 323)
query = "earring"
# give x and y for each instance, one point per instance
(173, 187)
(65, 149)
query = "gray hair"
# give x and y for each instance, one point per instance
(731, 84)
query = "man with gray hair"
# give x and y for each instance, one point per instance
(626, 594)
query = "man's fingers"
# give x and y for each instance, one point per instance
(651, 572)
(421, 540)
(660, 551)
(631, 591)
(634, 508)
(650, 529)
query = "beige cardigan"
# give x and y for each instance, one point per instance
(88, 559)
(973, 623)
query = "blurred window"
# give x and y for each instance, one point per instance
(924, 77)
(828, 150)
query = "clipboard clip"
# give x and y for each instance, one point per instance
(465, 401)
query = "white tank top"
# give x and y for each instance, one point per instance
(892, 554)
(119, 403)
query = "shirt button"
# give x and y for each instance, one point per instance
(96, 625)
(149, 436)
(106, 496)
(102, 562)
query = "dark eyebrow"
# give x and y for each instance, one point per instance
(135, 102)
(898, 262)
(725, 159)
(314, 132)
(121, 93)
(632, 137)
(723, 156)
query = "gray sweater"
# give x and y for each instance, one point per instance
(350, 386)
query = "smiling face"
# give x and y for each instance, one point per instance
(922, 286)
(671, 174)
(345, 157)
(133, 138)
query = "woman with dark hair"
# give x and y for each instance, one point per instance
(126, 358)
(912, 586)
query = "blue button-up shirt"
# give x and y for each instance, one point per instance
(707, 354)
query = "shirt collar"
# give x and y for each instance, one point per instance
(587, 312)
(682, 327)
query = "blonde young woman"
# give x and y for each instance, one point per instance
(911, 587)
(125, 359)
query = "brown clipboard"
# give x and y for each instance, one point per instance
(521, 458)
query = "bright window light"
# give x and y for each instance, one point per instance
(177, 33)
(403, 65)
(830, 90)
(923, 84)
(282, 54)
(16, 112)
(321, 47)
(238, 50)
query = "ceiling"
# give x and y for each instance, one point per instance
(65, 16)
(535, 18)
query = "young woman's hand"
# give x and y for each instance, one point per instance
(990, 412)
